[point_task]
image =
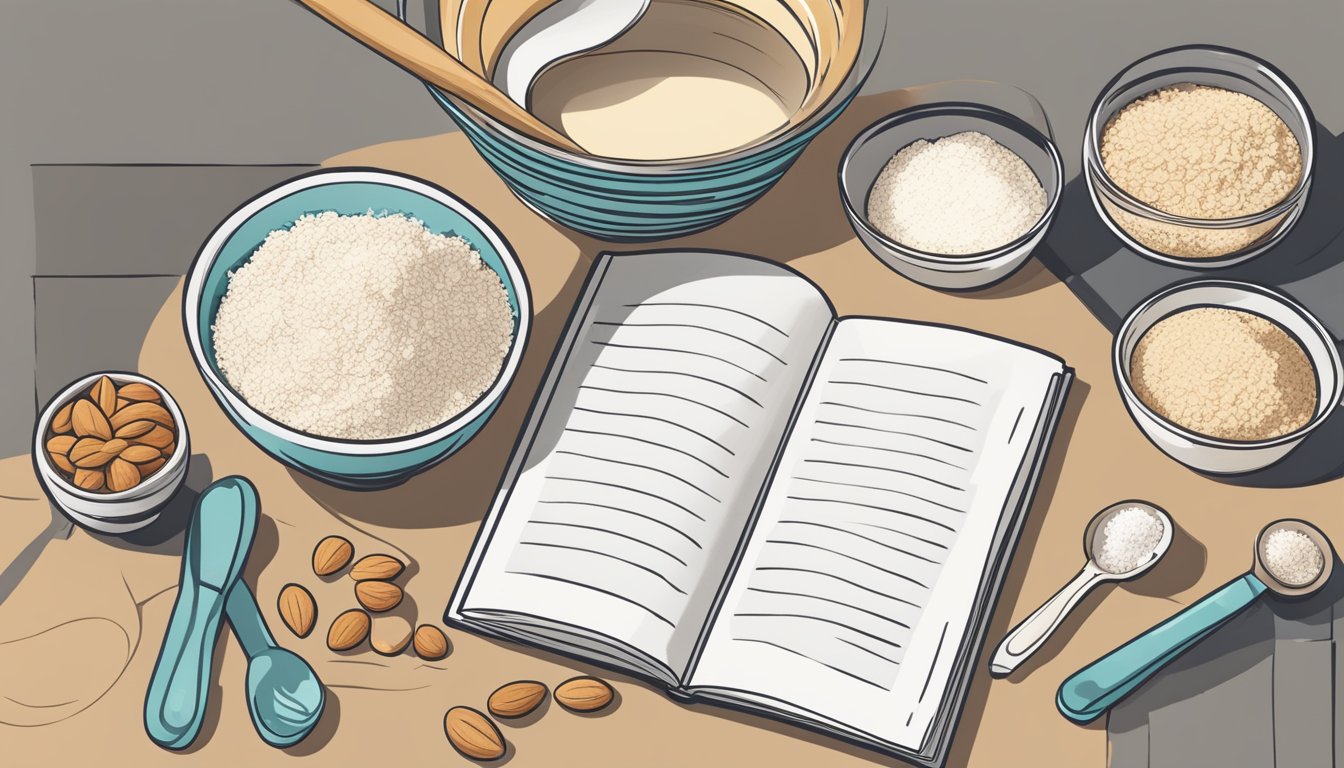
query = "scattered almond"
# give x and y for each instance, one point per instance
(104, 393)
(331, 555)
(516, 699)
(137, 411)
(122, 475)
(60, 423)
(390, 635)
(297, 609)
(472, 734)
(88, 421)
(378, 596)
(90, 479)
(430, 643)
(377, 568)
(583, 694)
(139, 393)
(348, 630)
(112, 438)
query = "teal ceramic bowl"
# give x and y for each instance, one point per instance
(357, 464)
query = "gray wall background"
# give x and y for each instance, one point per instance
(264, 82)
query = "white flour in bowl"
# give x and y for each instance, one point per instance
(958, 195)
(362, 327)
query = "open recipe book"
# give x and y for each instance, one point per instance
(725, 488)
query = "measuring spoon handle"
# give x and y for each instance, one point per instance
(1093, 690)
(1032, 633)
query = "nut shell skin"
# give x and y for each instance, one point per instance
(517, 699)
(584, 694)
(473, 735)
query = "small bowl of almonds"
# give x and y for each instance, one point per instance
(111, 449)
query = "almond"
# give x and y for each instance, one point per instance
(60, 423)
(88, 421)
(139, 454)
(63, 462)
(348, 630)
(150, 467)
(472, 734)
(297, 609)
(516, 699)
(583, 694)
(104, 393)
(157, 437)
(378, 596)
(136, 429)
(91, 453)
(169, 448)
(137, 411)
(430, 643)
(139, 393)
(390, 635)
(58, 449)
(331, 555)
(122, 475)
(377, 568)
(122, 404)
(89, 479)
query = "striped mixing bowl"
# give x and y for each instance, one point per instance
(636, 201)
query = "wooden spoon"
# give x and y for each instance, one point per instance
(415, 53)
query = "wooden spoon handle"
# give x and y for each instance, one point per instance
(413, 52)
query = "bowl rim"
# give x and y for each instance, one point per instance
(1096, 170)
(965, 109)
(861, 68)
(224, 393)
(1326, 404)
(46, 472)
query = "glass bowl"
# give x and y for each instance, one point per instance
(870, 152)
(1210, 454)
(1162, 236)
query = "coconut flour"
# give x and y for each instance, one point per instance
(959, 195)
(362, 327)
(1225, 373)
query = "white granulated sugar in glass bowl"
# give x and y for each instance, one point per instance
(1128, 539)
(959, 195)
(362, 327)
(1292, 557)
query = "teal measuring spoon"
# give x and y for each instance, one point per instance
(1096, 688)
(283, 693)
(218, 541)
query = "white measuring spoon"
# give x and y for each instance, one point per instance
(566, 28)
(1032, 633)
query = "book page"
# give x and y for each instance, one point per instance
(654, 440)
(852, 597)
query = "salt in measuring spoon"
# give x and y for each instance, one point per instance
(1097, 687)
(1026, 638)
